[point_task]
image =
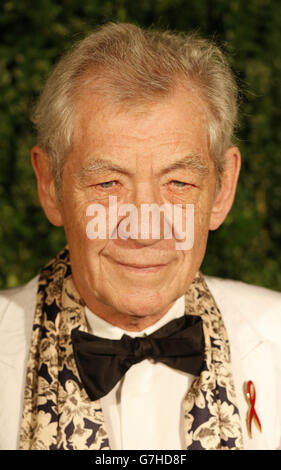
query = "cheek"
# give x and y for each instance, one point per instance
(74, 218)
(75, 222)
(202, 214)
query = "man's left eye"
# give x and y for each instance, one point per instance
(107, 184)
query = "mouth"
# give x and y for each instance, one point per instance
(143, 268)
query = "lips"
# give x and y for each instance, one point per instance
(143, 269)
(142, 266)
(139, 265)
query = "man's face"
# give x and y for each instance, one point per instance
(115, 277)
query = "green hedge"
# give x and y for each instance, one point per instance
(34, 34)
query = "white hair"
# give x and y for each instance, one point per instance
(133, 65)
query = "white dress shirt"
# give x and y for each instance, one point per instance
(252, 316)
(144, 409)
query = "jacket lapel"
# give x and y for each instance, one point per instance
(252, 360)
(258, 366)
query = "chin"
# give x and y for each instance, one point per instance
(144, 305)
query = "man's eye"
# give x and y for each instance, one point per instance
(107, 184)
(179, 184)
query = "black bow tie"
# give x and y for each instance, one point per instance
(103, 362)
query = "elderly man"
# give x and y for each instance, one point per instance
(120, 342)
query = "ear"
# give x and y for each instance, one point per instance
(45, 185)
(225, 197)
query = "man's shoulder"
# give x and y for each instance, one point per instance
(243, 289)
(257, 306)
(13, 293)
(18, 300)
(224, 290)
(17, 309)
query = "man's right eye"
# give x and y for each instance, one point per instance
(179, 184)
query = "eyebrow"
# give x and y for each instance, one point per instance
(101, 165)
(192, 161)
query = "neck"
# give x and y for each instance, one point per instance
(133, 317)
(129, 321)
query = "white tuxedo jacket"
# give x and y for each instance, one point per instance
(252, 316)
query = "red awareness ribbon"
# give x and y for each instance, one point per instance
(252, 414)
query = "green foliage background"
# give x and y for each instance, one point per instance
(35, 34)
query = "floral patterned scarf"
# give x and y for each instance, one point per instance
(57, 412)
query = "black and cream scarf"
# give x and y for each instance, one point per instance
(57, 412)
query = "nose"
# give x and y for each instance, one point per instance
(146, 192)
(147, 222)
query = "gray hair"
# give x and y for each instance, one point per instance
(133, 65)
